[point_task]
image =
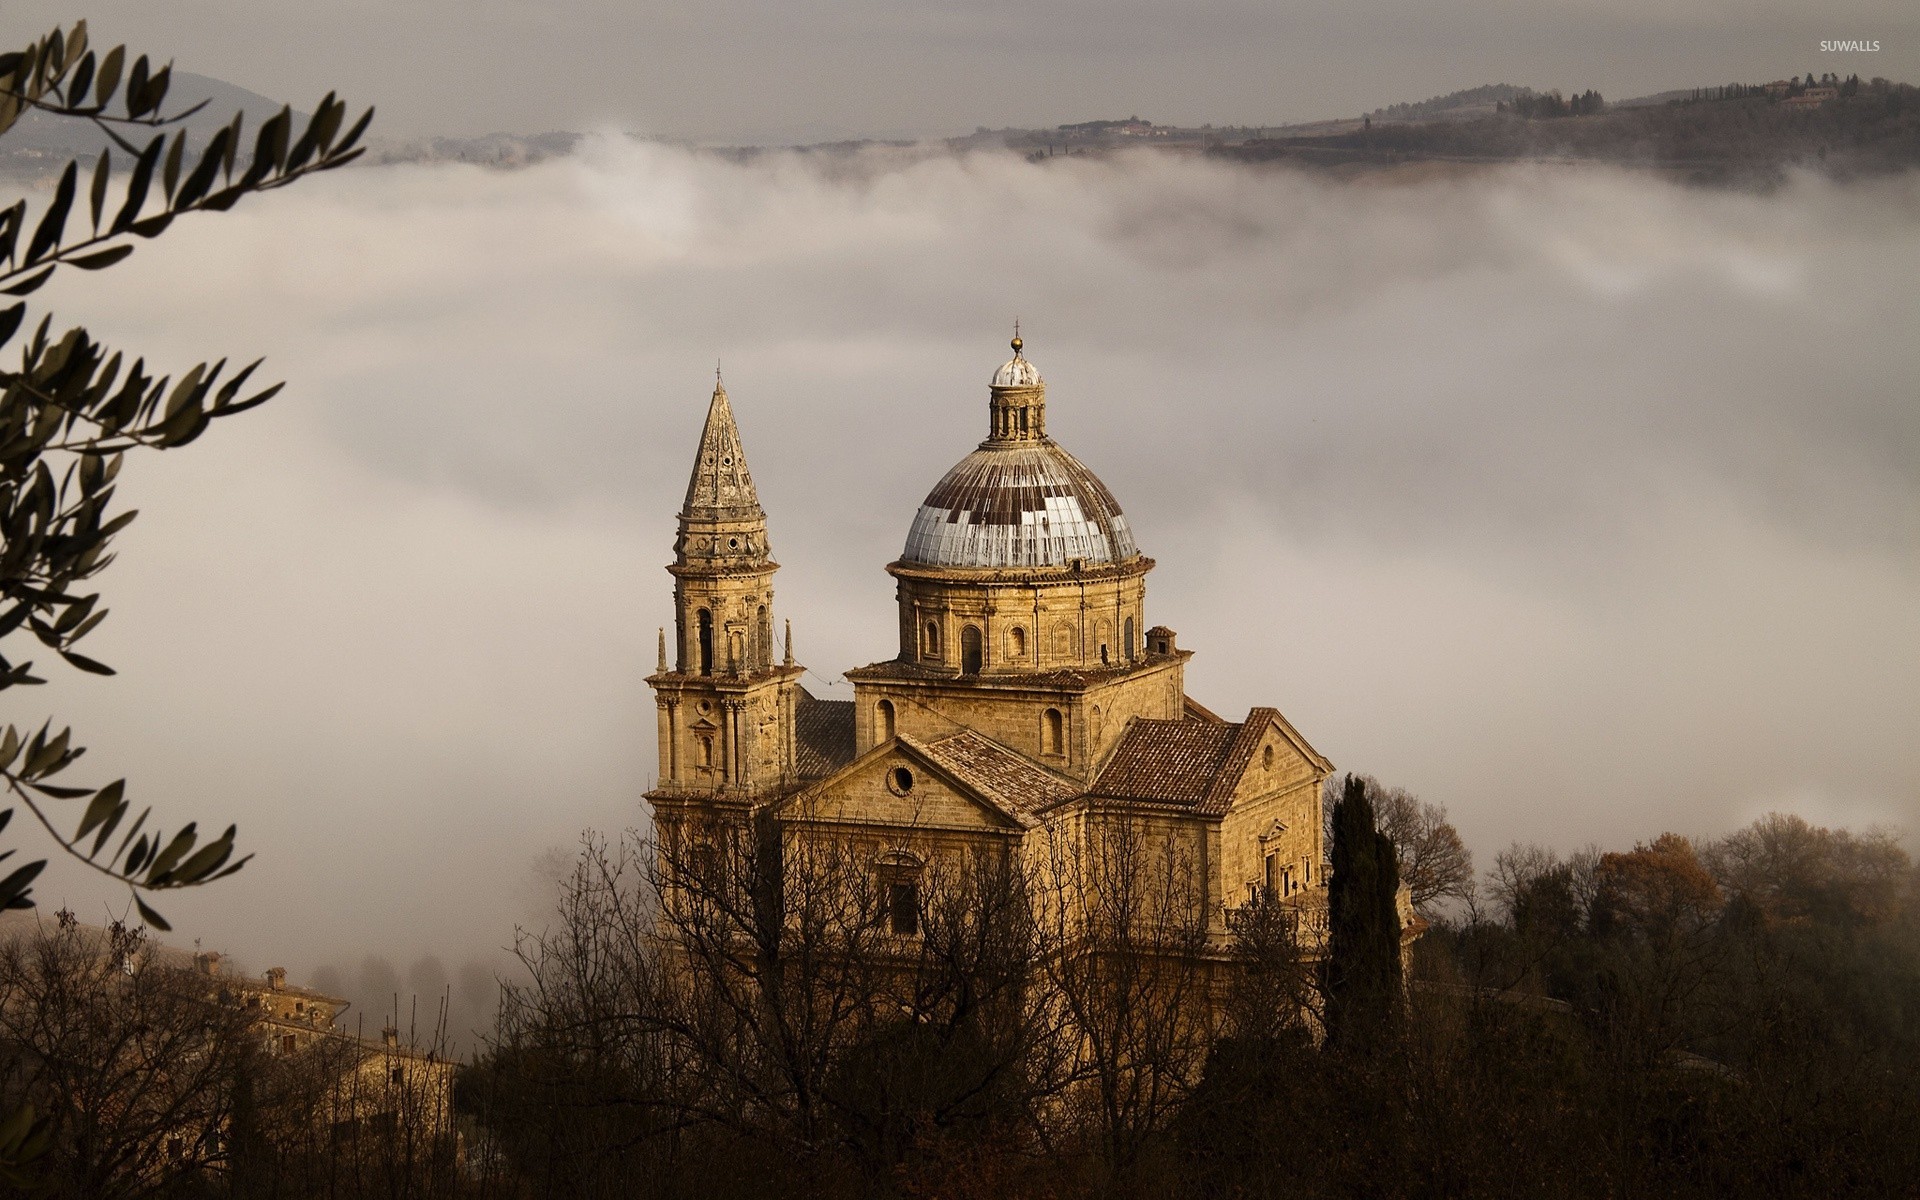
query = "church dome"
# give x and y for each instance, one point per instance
(1017, 372)
(1019, 500)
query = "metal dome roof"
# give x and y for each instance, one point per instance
(1019, 504)
(1017, 372)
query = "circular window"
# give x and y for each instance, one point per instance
(705, 706)
(899, 781)
(726, 462)
(733, 543)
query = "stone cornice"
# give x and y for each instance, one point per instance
(1021, 576)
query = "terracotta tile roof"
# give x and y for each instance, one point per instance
(823, 736)
(1239, 753)
(1013, 781)
(1189, 763)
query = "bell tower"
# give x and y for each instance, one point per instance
(726, 695)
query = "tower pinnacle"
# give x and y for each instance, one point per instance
(722, 566)
(721, 487)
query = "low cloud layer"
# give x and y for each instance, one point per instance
(1579, 502)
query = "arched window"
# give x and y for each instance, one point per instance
(1017, 642)
(932, 644)
(1133, 647)
(1094, 717)
(1054, 732)
(970, 650)
(706, 642)
(763, 640)
(883, 721)
(1063, 641)
(897, 911)
(703, 747)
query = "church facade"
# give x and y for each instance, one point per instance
(1033, 702)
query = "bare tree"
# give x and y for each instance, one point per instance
(1530, 882)
(1793, 870)
(821, 999)
(134, 1063)
(1125, 911)
(1272, 993)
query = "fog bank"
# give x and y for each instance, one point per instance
(1582, 503)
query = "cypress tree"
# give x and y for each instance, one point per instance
(1363, 920)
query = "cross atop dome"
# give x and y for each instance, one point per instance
(1017, 372)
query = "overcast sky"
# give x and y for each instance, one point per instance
(757, 70)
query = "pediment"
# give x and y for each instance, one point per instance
(900, 785)
(1278, 760)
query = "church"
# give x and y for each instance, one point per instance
(1030, 694)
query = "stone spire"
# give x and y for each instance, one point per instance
(721, 487)
(721, 524)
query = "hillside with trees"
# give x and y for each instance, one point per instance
(1467, 101)
(1733, 133)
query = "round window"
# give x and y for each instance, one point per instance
(900, 781)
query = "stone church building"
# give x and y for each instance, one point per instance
(1032, 692)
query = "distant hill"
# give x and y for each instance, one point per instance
(1732, 134)
(1656, 98)
(492, 149)
(1468, 101)
(42, 142)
